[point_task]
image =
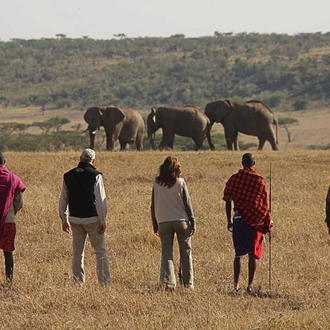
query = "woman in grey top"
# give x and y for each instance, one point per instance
(172, 213)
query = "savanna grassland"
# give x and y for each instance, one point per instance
(43, 296)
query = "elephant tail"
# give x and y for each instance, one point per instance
(276, 129)
(208, 135)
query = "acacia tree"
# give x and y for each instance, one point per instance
(52, 123)
(6, 129)
(285, 123)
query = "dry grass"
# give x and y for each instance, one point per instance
(43, 297)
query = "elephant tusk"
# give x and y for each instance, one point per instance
(94, 132)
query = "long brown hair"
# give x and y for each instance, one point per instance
(169, 172)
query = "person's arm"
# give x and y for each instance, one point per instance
(63, 208)
(327, 210)
(18, 202)
(100, 202)
(189, 210)
(228, 214)
(153, 215)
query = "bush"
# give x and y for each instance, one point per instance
(300, 105)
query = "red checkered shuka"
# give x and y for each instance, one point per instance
(7, 237)
(248, 191)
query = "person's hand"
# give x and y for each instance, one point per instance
(192, 231)
(102, 227)
(230, 226)
(156, 232)
(271, 224)
(66, 227)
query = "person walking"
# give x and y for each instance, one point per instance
(11, 201)
(83, 210)
(252, 218)
(172, 213)
(327, 210)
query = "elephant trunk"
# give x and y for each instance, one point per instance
(209, 139)
(151, 139)
(91, 136)
(152, 143)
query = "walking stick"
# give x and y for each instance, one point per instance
(270, 233)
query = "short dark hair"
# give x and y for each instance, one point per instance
(2, 158)
(248, 160)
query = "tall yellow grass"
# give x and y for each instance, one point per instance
(43, 296)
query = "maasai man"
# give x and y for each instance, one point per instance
(327, 210)
(11, 201)
(251, 218)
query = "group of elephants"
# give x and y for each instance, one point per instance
(127, 125)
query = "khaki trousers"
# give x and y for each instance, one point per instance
(166, 234)
(79, 235)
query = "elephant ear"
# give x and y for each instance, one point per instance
(222, 110)
(114, 114)
(91, 114)
(93, 119)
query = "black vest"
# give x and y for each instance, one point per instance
(80, 184)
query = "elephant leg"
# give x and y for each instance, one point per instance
(171, 143)
(110, 142)
(92, 139)
(230, 137)
(261, 143)
(198, 143)
(122, 145)
(229, 144)
(236, 146)
(273, 144)
(138, 142)
(167, 141)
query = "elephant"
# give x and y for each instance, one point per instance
(251, 118)
(123, 124)
(187, 121)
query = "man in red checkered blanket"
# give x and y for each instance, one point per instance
(251, 218)
(11, 201)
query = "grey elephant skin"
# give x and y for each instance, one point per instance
(187, 121)
(251, 118)
(123, 124)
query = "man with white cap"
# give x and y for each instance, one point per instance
(83, 210)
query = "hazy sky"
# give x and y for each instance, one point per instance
(101, 19)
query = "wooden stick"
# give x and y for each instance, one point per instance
(270, 234)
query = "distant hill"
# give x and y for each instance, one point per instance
(287, 72)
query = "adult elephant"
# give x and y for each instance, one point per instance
(251, 118)
(188, 121)
(123, 124)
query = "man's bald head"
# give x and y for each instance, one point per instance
(248, 160)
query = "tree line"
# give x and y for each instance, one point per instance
(286, 72)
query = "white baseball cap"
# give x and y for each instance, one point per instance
(88, 155)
